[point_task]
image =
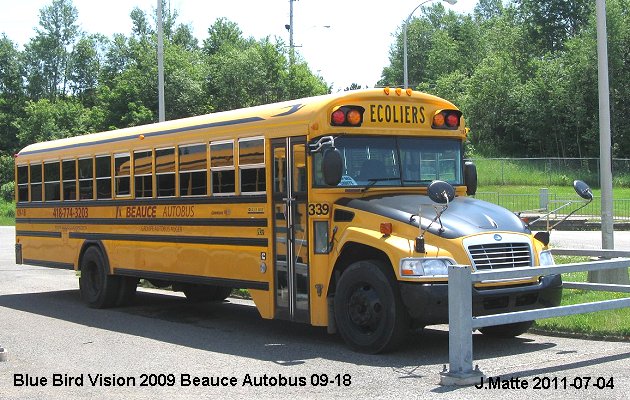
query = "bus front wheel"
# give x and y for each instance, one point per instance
(369, 312)
(98, 288)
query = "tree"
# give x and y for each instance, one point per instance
(303, 83)
(49, 53)
(245, 72)
(438, 43)
(47, 120)
(85, 68)
(551, 22)
(11, 94)
(488, 9)
(128, 91)
(184, 81)
(223, 33)
(183, 37)
(353, 86)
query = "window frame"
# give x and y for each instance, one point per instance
(102, 178)
(151, 157)
(91, 178)
(156, 174)
(260, 165)
(46, 182)
(222, 168)
(117, 177)
(22, 185)
(205, 170)
(40, 182)
(64, 180)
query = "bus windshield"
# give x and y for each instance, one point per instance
(395, 161)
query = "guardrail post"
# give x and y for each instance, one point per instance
(543, 199)
(460, 329)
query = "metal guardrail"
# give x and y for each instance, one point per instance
(462, 323)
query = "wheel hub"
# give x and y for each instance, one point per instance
(364, 307)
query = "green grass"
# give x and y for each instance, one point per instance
(615, 323)
(546, 172)
(7, 213)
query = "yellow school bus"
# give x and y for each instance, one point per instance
(327, 209)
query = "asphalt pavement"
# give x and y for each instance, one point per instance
(161, 346)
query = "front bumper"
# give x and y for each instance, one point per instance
(428, 303)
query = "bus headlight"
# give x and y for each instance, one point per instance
(424, 266)
(546, 258)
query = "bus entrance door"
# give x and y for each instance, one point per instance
(290, 229)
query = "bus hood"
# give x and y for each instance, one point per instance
(464, 216)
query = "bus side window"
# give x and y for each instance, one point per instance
(251, 165)
(69, 179)
(222, 167)
(103, 177)
(36, 182)
(165, 172)
(22, 181)
(86, 175)
(143, 173)
(122, 171)
(52, 190)
(193, 170)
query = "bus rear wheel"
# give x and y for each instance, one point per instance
(199, 293)
(369, 312)
(98, 288)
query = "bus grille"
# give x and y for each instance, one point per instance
(500, 255)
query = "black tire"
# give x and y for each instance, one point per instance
(199, 293)
(369, 312)
(98, 288)
(507, 330)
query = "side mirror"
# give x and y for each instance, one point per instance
(441, 192)
(470, 178)
(332, 166)
(583, 190)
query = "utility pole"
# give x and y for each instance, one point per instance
(160, 56)
(618, 276)
(290, 28)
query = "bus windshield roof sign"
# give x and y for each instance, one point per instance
(396, 114)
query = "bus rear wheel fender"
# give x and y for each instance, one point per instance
(98, 288)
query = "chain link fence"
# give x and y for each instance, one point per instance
(543, 172)
(548, 171)
(532, 203)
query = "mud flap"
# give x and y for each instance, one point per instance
(18, 253)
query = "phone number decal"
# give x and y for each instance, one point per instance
(70, 212)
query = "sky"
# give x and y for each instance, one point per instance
(344, 41)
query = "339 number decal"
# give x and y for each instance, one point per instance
(318, 209)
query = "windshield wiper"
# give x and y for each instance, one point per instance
(427, 181)
(372, 182)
